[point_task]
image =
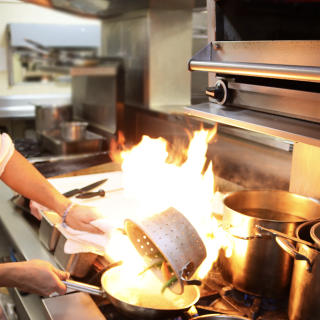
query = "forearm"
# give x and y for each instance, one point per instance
(9, 273)
(25, 179)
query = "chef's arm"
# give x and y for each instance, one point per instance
(34, 276)
(25, 179)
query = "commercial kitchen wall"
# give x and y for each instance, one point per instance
(19, 12)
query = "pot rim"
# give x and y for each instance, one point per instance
(268, 190)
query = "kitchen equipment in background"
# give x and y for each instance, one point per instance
(315, 234)
(73, 131)
(304, 296)
(64, 57)
(49, 117)
(78, 264)
(52, 141)
(258, 266)
(171, 237)
(113, 284)
(91, 186)
(48, 232)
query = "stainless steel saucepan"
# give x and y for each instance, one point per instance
(139, 298)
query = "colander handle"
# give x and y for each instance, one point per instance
(185, 271)
(191, 282)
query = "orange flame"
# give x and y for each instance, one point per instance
(157, 183)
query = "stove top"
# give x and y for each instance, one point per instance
(31, 148)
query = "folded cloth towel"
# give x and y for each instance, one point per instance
(80, 241)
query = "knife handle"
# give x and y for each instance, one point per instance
(87, 195)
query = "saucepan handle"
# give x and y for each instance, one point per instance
(83, 287)
(289, 248)
(255, 236)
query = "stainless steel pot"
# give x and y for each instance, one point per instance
(258, 266)
(73, 131)
(304, 299)
(112, 283)
(49, 117)
(315, 234)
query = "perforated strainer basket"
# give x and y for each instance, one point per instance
(168, 235)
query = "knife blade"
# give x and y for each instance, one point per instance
(84, 189)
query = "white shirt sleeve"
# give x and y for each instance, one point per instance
(6, 151)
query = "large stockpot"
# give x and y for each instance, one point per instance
(258, 266)
(304, 299)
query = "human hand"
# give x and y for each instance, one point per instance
(39, 277)
(79, 218)
(35, 208)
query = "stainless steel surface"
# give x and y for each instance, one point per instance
(98, 95)
(73, 131)
(48, 232)
(275, 71)
(49, 159)
(20, 234)
(315, 235)
(296, 94)
(165, 233)
(28, 307)
(77, 305)
(283, 235)
(103, 9)
(112, 282)
(83, 287)
(154, 75)
(273, 59)
(293, 103)
(78, 264)
(52, 141)
(274, 125)
(19, 107)
(304, 293)
(259, 266)
(295, 53)
(49, 117)
(289, 248)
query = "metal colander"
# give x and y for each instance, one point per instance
(171, 236)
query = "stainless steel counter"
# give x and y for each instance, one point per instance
(19, 234)
(23, 107)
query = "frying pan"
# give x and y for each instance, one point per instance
(115, 281)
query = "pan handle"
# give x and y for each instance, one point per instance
(289, 248)
(255, 236)
(83, 287)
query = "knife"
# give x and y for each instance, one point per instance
(84, 189)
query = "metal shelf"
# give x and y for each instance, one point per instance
(274, 125)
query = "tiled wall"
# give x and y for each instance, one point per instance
(16, 11)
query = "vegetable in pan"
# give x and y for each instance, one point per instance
(166, 271)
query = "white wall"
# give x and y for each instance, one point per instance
(12, 11)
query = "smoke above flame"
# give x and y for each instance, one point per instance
(159, 179)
